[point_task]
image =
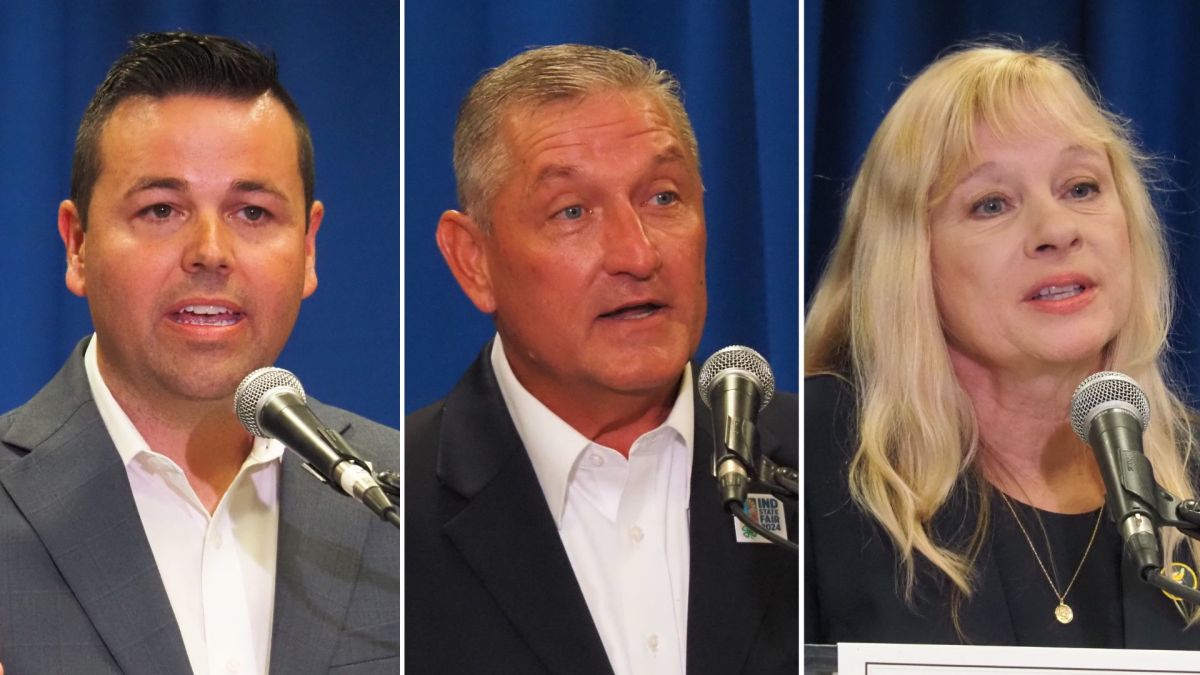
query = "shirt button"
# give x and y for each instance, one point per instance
(652, 642)
(216, 542)
(232, 666)
(596, 460)
(636, 533)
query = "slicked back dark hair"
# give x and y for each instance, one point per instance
(159, 65)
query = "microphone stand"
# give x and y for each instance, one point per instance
(1165, 509)
(779, 480)
(390, 482)
(385, 500)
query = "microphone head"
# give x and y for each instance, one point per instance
(258, 387)
(1106, 390)
(736, 359)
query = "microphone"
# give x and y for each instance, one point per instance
(270, 403)
(735, 383)
(1109, 412)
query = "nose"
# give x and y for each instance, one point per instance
(208, 247)
(1055, 230)
(627, 248)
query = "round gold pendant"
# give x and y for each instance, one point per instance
(1063, 613)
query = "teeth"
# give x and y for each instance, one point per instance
(633, 312)
(207, 315)
(1058, 292)
(205, 309)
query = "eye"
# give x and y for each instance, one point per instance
(990, 206)
(254, 213)
(159, 211)
(665, 198)
(1083, 190)
(573, 212)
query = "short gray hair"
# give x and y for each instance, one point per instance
(536, 77)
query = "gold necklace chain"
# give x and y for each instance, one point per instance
(1063, 611)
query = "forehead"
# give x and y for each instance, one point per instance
(594, 126)
(1019, 134)
(183, 133)
(1043, 139)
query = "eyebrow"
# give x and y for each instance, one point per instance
(671, 155)
(553, 172)
(163, 183)
(259, 186)
(1070, 152)
(156, 183)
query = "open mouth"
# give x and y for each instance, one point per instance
(1055, 293)
(631, 312)
(206, 315)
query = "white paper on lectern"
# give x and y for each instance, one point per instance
(897, 659)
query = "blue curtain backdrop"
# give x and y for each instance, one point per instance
(341, 62)
(1144, 57)
(738, 64)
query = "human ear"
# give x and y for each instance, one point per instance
(70, 228)
(462, 244)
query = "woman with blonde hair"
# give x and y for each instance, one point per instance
(999, 245)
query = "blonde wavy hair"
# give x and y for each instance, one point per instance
(873, 316)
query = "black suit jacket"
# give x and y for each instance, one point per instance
(79, 589)
(851, 566)
(489, 588)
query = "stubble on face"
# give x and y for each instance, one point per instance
(196, 258)
(596, 251)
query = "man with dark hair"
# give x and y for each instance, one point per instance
(142, 529)
(560, 512)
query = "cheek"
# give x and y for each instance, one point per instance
(537, 284)
(963, 301)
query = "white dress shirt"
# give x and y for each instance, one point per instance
(623, 523)
(218, 570)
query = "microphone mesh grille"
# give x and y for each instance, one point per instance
(253, 389)
(1102, 390)
(737, 357)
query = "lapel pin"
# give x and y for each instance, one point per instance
(767, 511)
(1180, 573)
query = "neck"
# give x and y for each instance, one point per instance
(1028, 449)
(204, 438)
(611, 419)
(620, 428)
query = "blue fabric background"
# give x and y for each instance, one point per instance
(340, 61)
(738, 64)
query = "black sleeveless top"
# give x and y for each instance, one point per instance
(1094, 598)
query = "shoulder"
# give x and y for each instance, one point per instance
(423, 425)
(782, 420)
(378, 443)
(830, 422)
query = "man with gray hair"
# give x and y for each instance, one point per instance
(561, 514)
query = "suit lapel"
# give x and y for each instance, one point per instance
(321, 537)
(73, 490)
(730, 584)
(504, 529)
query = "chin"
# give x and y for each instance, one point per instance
(1083, 355)
(640, 376)
(204, 384)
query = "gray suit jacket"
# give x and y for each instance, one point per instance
(79, 589)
